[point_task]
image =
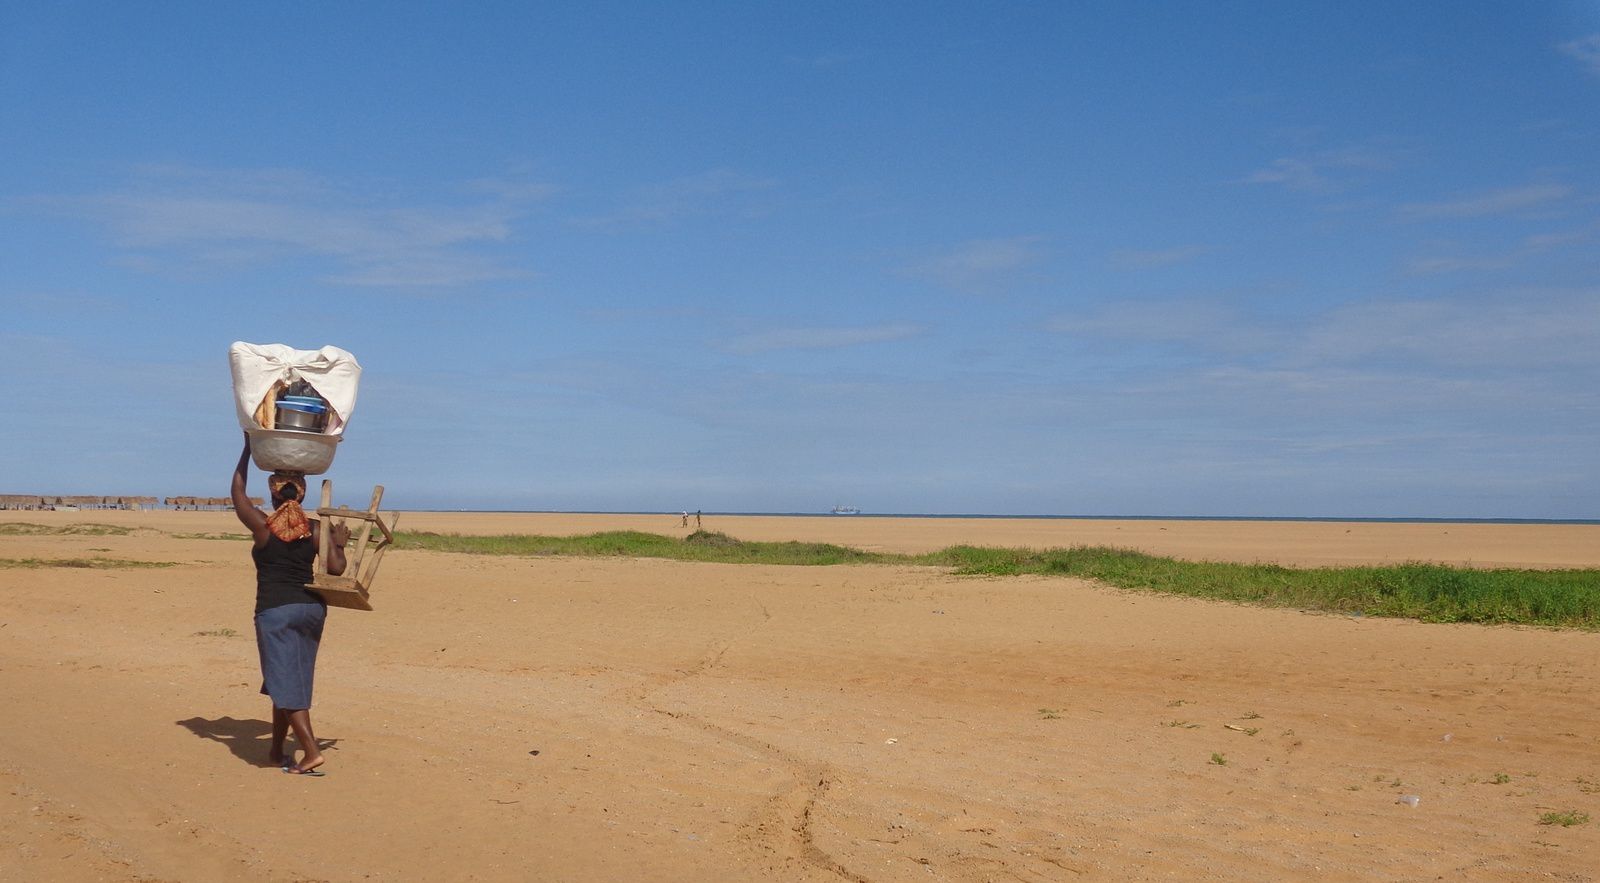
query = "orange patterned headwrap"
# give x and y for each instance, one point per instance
(288, 522)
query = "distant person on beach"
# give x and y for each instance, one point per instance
(685, 518)
(697, 519)
(289, 617)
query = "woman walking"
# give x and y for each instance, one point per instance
(289, 616)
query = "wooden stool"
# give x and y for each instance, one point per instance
(351, 589)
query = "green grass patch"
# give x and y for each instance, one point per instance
(702, 546)
(29, 529)
(82, 563)
(1429, 592)
(1564, 819)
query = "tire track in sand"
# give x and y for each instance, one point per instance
(784, 824)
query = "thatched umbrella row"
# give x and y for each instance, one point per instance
(50, 501)
(205, 502)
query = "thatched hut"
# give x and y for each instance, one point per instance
(205, 502)
(81, 501)
(21, 501)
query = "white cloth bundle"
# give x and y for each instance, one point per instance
(331, 371)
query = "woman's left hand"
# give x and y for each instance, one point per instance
(340, 534)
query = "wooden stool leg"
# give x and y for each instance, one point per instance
(323, 541)
(372, 569)
(353, 565)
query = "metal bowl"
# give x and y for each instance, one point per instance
(288, 450)
(294, 418)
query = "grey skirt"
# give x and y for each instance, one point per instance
(287, 638)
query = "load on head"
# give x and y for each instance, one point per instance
(295, 404)
(297, 408)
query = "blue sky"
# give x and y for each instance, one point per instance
(1260, 259)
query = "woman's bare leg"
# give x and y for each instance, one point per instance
(280, 729)
(310, 756)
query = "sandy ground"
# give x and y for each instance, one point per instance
(583, 719)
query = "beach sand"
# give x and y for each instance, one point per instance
(504, 718)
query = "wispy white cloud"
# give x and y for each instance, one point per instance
(819, 338)
(1507, 331)
(1495, 202)
(1561, 239)
(163, 219)
(513, 190)
(278, 184)
(1530, 246)
(1323, 171)
(428, 271)
(1430, 266)
(1332, 403)
(717, 191)
(981, 265)
(1132, 258)
(61, 302)
(178, 217)
(1585, 50)
(1511, 331)
(1391, 400)
(1200, 323)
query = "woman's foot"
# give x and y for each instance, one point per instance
(305, 767)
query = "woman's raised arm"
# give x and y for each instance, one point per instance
(249, 515)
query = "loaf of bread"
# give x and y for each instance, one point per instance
(267, 411)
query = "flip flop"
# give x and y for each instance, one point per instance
(293, 771)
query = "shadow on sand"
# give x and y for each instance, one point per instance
(248, 739)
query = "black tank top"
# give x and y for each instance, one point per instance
(282, 571)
